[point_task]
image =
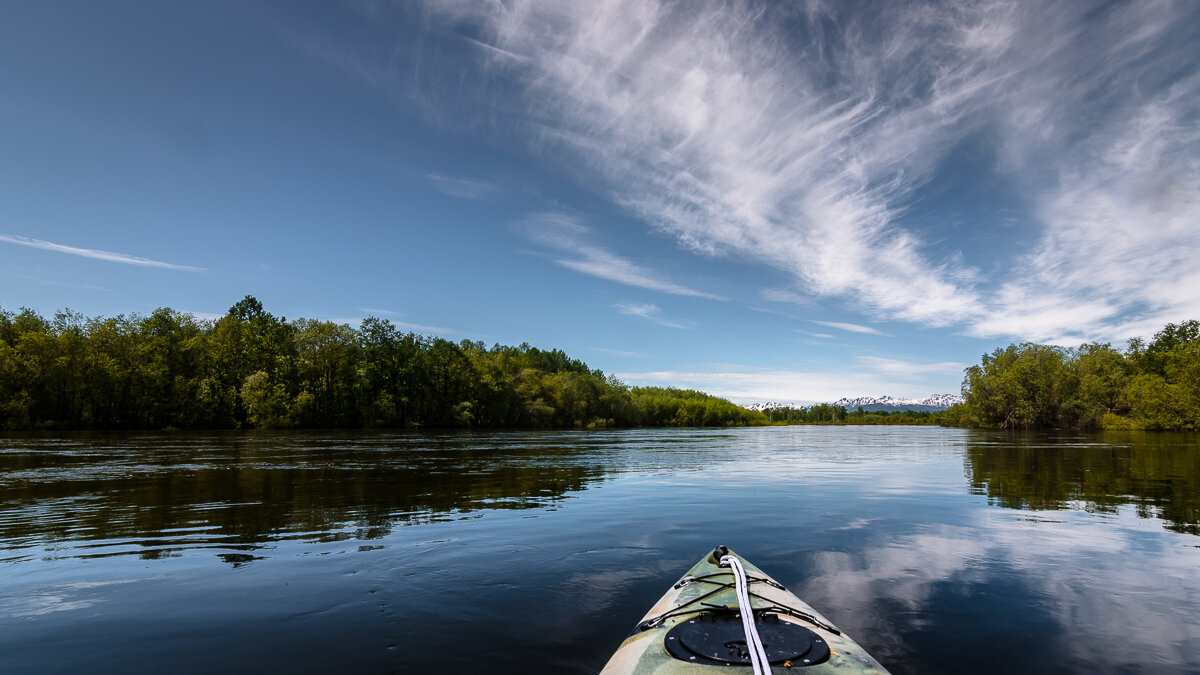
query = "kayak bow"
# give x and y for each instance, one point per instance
(697, 627)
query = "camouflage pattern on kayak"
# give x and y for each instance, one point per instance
(695, 629)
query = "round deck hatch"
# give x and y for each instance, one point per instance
(718, 638)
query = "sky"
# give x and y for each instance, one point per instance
(790, 202)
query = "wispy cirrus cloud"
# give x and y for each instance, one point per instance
(899, 367)
(566, 235)
(205, 316)
(1117, 257)
(462, 187)
(621, 353)
(799, 137)
(393, 318)
(804, 137)
(427, 329)
(786, 296)
(711, 127)
(97, 254)
(375, 311)
(653, 313)
(850, 327)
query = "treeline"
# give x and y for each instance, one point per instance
(1153, 385)
(250, 369)
(827, 413)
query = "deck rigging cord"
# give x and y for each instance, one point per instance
(769, 604)
(758, 655)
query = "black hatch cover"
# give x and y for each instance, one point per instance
(718, 638)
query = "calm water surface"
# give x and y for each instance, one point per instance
(939, 550)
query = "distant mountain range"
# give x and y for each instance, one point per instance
(893, 404)
(885, 403)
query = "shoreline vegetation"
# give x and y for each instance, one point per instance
(251, 369)
(1148, 386)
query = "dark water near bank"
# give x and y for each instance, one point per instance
(939, 550)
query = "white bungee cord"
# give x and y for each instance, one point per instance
(758, 655)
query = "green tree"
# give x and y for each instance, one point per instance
(386, 374)
(1154, 358)
(1021, 387)
(267, 403)
(1103, 375)
(326, 365)
(245, 341)
(252, 369)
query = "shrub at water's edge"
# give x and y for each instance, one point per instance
(1147, 386)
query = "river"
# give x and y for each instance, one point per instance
(939, 550)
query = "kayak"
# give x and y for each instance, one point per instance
(697, 627)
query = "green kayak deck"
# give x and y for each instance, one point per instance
(695, 628)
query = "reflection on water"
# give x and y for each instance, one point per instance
(526, 552)
(154, 495)
(1157, 473)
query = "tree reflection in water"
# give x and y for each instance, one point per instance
(1156, 472)
(153, 495)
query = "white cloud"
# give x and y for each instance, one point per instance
(851, 327)
(707, 126)
(800, 136)
(653, 313)
(429, 330)
(109, 256)
(1121, 238)
(643, 310)
(618, 352)
(786, 295)
(418, 328)
(874, 376)
(756, 133)
(565, 234)
(748, 385)
(910, 368)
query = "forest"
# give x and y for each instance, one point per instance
(251, 369)
(1149, 385)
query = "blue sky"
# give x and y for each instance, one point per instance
(768, 201)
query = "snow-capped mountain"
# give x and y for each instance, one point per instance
(876, 404)
(772, 404)
(891, 403)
